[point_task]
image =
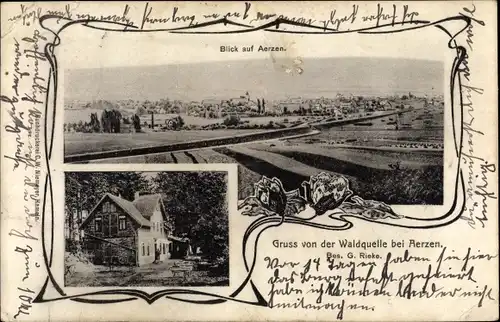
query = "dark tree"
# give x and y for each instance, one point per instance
(93, 185)
(137, 123)
(180, 121)
(110, 121)
(84, 189)
(231, 120)
(197, 201)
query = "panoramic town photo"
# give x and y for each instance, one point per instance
(377, 121)
(146, 229)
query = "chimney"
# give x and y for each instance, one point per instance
(137, 194)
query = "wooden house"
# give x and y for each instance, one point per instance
(122, 232)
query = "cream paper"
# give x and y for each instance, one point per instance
(350, 251)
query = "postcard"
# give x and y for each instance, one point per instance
(263, 161)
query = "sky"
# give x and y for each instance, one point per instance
(109, 65)
(260, 77)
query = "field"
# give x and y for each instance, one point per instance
(383, 128)
(382, 162)
(83, 115)
(405, 185)
(414, 135)
(358, 157)
(200, 121)
(417, 181)
(246, 177)
(77, 143)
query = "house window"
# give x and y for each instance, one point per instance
(113, 224)
(164, 249)
(98, 225)
(143, 250)
(122, 223)
(112, 207)
(105, 207)
(148, 249)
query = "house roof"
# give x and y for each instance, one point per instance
(126, 205)
(238, 99)
(146, 204)
(290, 104)
(178, 239)
(210, 101)
(130, 209)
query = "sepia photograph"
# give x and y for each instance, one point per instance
(146, 229)
(378, 121)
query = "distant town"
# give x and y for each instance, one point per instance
(175, 114)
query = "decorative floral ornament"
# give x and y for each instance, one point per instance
(326, 191)
(251, 206)
(370, 209)
(271, 194)
(270, 198)
(323, 192)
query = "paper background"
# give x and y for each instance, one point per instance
(84, 47)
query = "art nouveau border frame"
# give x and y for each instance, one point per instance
(251, 237)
